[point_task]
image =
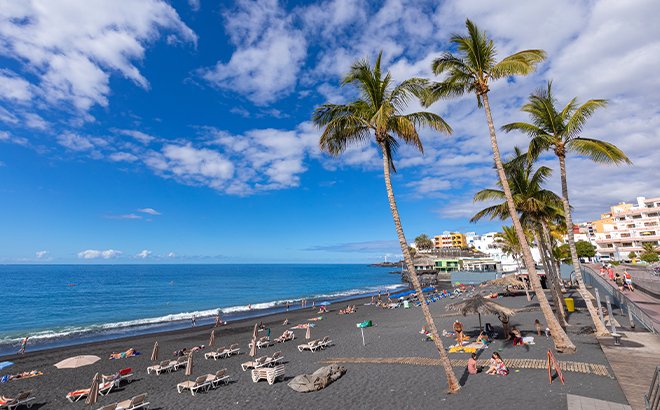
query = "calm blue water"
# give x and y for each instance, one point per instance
(117, 300)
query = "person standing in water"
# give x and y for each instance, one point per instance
(23, 345)
(193, 321)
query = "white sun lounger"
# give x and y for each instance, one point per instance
(218, 354)
(200, 383)
(269, 373)
(325, 342)
(137, 402)
(274, 359)
(311, 346)
(164, 366)
(233, 349)
(76, 395)
(22, 399)
(219, 377)
(256, 363)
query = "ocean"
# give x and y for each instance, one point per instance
(58, 305)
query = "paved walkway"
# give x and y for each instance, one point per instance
(633, 363)
(575, 402)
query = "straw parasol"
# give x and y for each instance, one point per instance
(503, 281)
(212, 338)
(77, 361)
(93, 395)
(308, 334)
(189, 364)
(154, 353)
(478, 304)
(253, 348)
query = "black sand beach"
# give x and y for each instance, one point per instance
(367, 386)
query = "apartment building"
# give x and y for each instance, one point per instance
(449, 240)
(631, 225)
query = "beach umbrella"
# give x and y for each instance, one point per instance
(77, 361)
(212, 338)
(253, 348)
(154, 353)
(189, 364)
(5, 364)
(480, 305)
(93, 395)
(308, 334)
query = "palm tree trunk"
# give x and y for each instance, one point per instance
(559, 336)
(446, 364)
(549, 274)
(601, 330)
(556, 269)
(515, 258)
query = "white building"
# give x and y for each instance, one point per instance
(488, 244)
(631, 226)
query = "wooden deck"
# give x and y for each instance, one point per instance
(633, 363)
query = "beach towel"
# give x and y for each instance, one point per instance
(19, 376)
(314, 319)
(303, 326)
(5, 364)
(123, 355)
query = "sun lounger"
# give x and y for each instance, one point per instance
(254, 364)
(200, 383)
(311, 346)
(233, 349)
(286, 336)
(22, 399)
(269, 373)
(218, 354)
(325, 342)
(261, 343)
(274, 359)
(137, 402)
(179, 363)
(120, 376)
(76, 395)
(164, 366)
(217, 378)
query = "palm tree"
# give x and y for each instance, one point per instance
(536, 206)
(561, 132)
(470, 71)
(378, 113)
(423, 242)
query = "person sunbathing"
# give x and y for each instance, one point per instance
(129, 353)
(482, 338)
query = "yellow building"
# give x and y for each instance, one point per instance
(449, 240)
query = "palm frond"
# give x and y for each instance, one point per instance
(598, 151)
(521, 63)
(580, 116)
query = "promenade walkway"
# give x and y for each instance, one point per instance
(635, 360)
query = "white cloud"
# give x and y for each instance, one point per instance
(74, 142)
(41, 254)
(269, 54)
(138, 135)
(171, 255)
(124, 216)
(195, 5)
(144, 254)
(122, 157)
(99, 254)
(13, 87)
(74, 47)
(149, 211)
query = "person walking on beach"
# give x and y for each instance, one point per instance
(287, 305)
(21, 351)
(218, 319)
(193, 321)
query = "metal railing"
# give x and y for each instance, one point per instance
(619, 299)
(652, 398)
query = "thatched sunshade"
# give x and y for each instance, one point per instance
(504, 281)
(480, 305)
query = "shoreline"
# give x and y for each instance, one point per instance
(183, 325)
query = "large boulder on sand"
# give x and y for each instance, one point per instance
(318, 380)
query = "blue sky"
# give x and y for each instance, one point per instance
(168, 132)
